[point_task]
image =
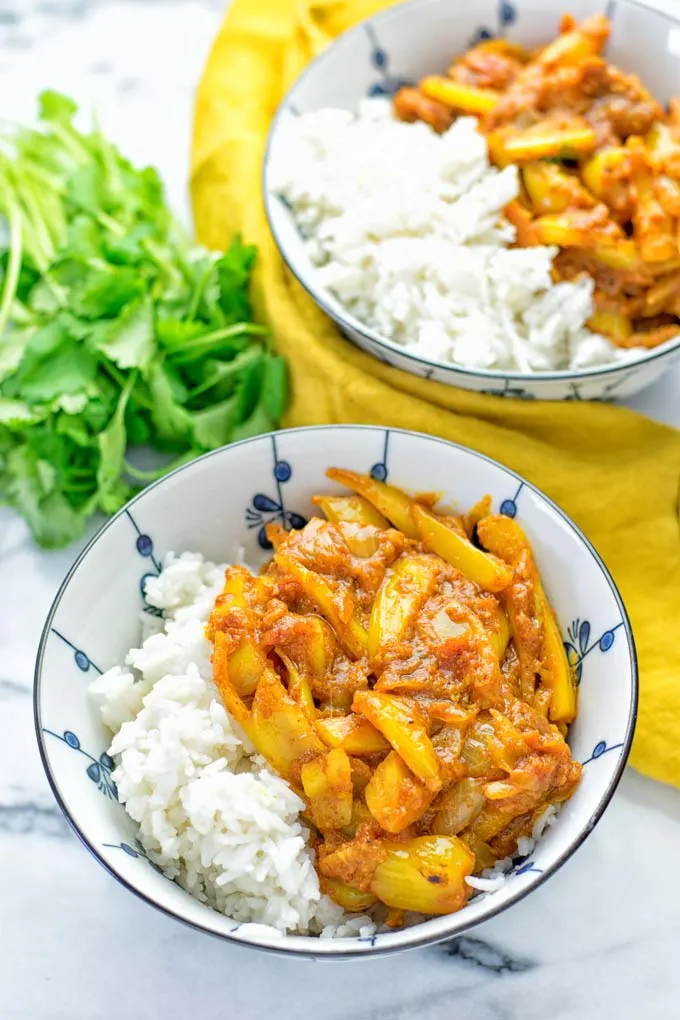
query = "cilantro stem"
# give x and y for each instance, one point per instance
(84, 486)
(144, 402)
(48, 206)
(227, 370)
(198, 292)
(108, 221)
(118, 377)
(208, 339)
(20, 314)
(152, 476)
(33, 228)
(115, 374)
(108, 160)
(41, 232)
(13, 264)
(31, 247)
(97, 263)
(34, 170)
(125, 395)
(182, 261)
(153, 252)
(71, 141)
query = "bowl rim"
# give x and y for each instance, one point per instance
(334, 949)
(343, 318)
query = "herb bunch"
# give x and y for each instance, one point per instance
(115, 332)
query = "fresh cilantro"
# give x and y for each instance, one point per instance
(115, 332)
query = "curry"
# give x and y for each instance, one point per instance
(599, 163)
(403, 670)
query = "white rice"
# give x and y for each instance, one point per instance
(211, 813)
(406, 229)
(492, 879)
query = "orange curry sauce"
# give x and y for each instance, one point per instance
(403, 671)
(599, 167)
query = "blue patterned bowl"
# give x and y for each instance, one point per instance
(401, 46)
(219, 504)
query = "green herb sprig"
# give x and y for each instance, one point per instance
(115, 331)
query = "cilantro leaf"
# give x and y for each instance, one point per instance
(275, 387)
(53, 106)
(129, 343)
(15, 412)
(233, 271)
(71, 403)
(12, 349)
(50, 516)
(258, 422)
(249, 388)
(112, 444)
(137, 425)
(174, 334)
(128, 250)
(172, 423)
(75, 428)
(105, 292)
(65, 369)
(213, 427)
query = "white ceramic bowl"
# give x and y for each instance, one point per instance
(411, 40)
(219, 503)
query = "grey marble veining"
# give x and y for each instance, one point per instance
(599, 940)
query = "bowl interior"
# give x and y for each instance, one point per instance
(420, 37)
(218, 504)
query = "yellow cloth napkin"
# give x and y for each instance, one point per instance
(613, 471)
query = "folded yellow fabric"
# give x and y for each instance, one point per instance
(613, 471)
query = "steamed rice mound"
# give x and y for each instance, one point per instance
(211, 813)
(405, 228)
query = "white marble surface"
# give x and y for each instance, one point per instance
(600, 940)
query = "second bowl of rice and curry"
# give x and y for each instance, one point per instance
(500, 214)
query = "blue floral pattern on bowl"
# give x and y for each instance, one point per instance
(136, 852)
(144, 546)
(506, 15)
(264, 510)
(99, 770)
(578, 643)
(388, 84)
(81, 658)
(601, 748)
(379, 470)
(508, 507)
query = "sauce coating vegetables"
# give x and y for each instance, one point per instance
(599, 164)
(409, 683)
